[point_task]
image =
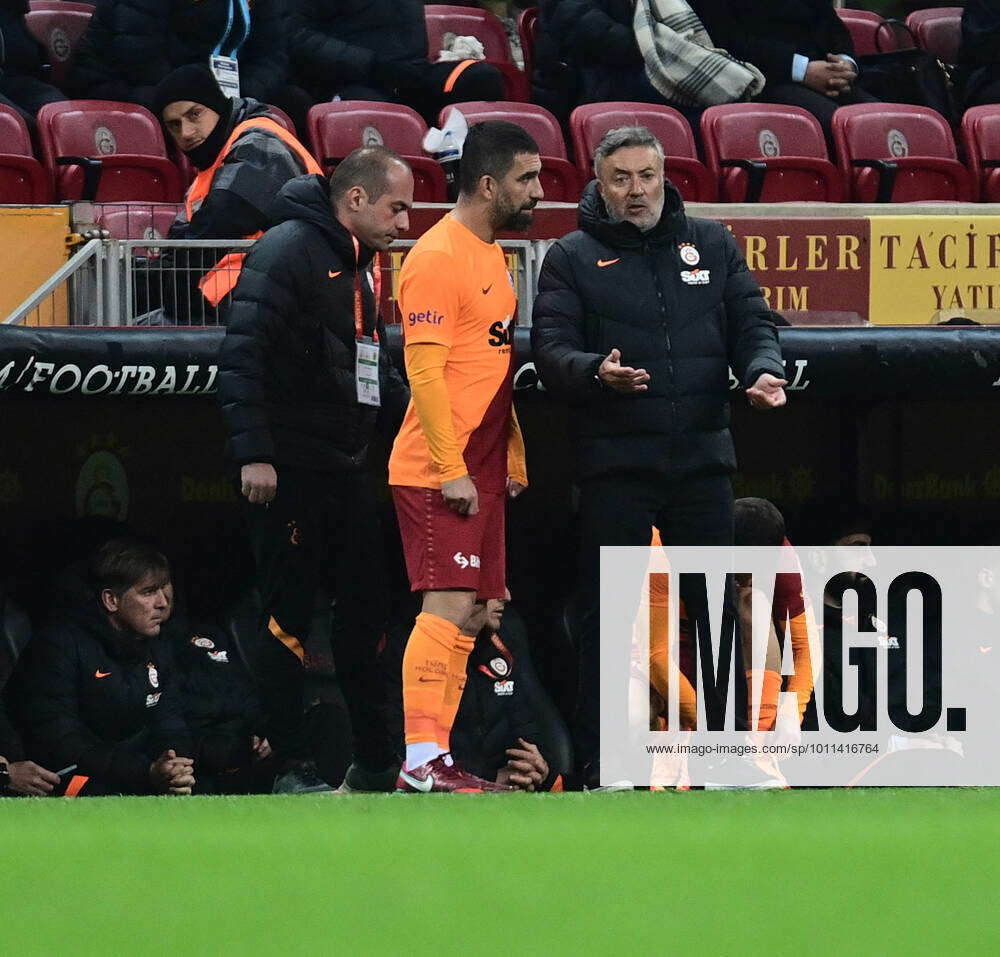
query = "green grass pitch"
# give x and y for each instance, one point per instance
(803, 872)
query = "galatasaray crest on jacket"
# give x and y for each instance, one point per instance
(154, 677)
(200, 642)
(689, 254)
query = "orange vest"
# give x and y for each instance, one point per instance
(219, 281)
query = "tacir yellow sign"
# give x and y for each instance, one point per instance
(925, 269)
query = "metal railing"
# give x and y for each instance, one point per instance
(153, 281)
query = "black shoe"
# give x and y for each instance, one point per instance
(301, 779)
(359, 780)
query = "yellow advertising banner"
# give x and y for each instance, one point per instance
(926, 269)
(32, 248)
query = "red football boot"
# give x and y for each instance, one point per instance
(435, 775)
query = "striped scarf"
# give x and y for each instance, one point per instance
(681, 62)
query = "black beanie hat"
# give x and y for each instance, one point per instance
(192, 82)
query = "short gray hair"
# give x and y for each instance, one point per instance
(621, 137)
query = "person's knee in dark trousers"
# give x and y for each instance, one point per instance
(453, 82)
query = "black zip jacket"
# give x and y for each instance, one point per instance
(103, 700)
(220, 703)
(286, 368)
(684, 320)
(130, 45)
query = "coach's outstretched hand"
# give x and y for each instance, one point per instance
(768, 392)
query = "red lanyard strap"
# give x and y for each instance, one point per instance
(359, 327)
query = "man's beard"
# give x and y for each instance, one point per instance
(514, 219)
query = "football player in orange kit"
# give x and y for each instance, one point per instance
(459, 453)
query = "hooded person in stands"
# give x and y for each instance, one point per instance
(93, 692)
(242, 157)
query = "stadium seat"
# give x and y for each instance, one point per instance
(106, 151)
(336, 129)
(892, 152)
(22, 178)
(938, 31)
(980, 135)
(527, 30)
(58, 31)
(485, 27)
(137, 221)
(862, 25)
(768, 153)
(282, 117)
(590, 122)
(558, 177)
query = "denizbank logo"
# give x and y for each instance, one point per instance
(777, 667)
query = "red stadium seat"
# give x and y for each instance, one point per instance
(558, 177)
(938, 31)
(891, 152)
(768, 153)
(22, 178)
(336, 129)
(590, 122)
(981, 141)
(862, 25)
(150, 221)
(485, 27)
(58, 31)
(527, 30)
(106, 151)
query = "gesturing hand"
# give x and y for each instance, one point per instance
(621, 378)
(767, 392)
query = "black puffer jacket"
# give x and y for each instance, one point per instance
(286, 370)
(131, 45)
(336, 42)
(769, 33)
(103, 700)
(684, 333)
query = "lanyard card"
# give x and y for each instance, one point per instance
(226, 71)
(366, 372)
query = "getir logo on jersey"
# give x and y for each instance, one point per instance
(501, 333)
(430, 316)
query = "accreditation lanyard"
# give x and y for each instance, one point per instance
(222, 62)
(366, 355)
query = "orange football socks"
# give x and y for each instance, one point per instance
(457, 662)
(425, 685)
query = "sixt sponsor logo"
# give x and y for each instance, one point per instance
(430, 316)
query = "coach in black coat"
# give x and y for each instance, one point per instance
(130, 45)
(639, 316)
(94, 690)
